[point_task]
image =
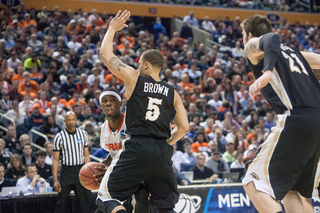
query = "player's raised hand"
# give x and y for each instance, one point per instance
(119, 21)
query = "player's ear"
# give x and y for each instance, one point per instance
(250, 36)
(146, 65)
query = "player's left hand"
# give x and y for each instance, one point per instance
(102, 170)
(119, 21)
(255, 88)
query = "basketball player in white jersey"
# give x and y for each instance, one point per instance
(112, 134)
(112, 130)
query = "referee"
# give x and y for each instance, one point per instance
(72, 144)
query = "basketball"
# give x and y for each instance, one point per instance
(86, 176)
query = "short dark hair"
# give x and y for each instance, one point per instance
(28, 144)
(69, 76)
(154, 57)
(26, 168)
(257, 25)
(3, 166)
(41, 153)
(75, 106)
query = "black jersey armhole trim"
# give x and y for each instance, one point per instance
(135, 87)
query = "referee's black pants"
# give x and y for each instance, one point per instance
(69, 180)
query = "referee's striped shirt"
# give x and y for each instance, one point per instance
(70, 146)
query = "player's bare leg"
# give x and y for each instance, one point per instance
(263, 202)
(307, 205)
(294, 202)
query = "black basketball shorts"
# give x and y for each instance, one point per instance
(142, 159)
(288, 158)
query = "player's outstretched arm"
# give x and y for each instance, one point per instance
(114, 64)
(181, 120)
(313, 59)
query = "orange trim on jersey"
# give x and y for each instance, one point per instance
(119, 125)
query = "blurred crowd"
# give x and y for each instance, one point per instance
(270, 5)
(50, 64)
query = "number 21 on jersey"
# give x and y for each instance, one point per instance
(153, 109)
(294, 58)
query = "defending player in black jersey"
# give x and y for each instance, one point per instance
(285, 166)
(152, 105)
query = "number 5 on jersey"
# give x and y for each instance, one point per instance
(153, 109)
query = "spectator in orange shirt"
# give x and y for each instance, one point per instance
(180, 41)
(210, 123)
(126, 36)
(71, 26)
(246, 80)
(185, 82)
(27, 90)
(18, 77)
(93, 25)
(255, 135)
(200, 145)
(83, 84)
(122, 45)
(34, 85)
(127, 50)
(108, 78)
(16, 25)
(28, 23)
(75, 98)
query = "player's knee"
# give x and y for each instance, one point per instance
(112, 206)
